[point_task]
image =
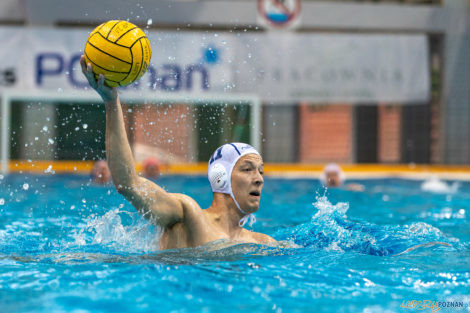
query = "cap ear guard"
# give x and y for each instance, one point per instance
(218, 176)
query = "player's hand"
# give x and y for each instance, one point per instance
(107, 93)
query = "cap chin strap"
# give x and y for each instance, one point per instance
(248, 217)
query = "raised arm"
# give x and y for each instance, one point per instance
(148, 198)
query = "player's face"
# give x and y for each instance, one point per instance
(332, 179)
(247, 182)
(102, 174)
(152, 171)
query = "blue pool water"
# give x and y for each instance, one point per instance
(67, 245)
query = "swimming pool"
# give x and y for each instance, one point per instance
(67, 245)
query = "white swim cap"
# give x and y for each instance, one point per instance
(332, 168)
(221, 165)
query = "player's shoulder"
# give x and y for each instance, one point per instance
(187, 202)
(262, 238)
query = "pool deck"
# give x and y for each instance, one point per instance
(412, 171)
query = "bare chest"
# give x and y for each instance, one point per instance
(191, 233)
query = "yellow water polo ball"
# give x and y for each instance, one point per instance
(120, 51)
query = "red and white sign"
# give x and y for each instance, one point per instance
(279, 14)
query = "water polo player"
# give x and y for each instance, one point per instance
(333, 176)
(235, 174)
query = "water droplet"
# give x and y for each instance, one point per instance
(149, 21)
(51, 141)
(49, 169)
(2, 201)
(25, 186)
(85, 126)
(45, 128)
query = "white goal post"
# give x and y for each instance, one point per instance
(129, 97)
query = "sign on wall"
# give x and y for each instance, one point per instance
(279, 67)
(279, 14)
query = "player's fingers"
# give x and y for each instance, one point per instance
(83, 64)
(89, 73)
(90, 76)
(89, 70)
(101, 81)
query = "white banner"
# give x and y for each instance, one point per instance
(279, 67)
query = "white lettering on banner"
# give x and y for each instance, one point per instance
(283, 68)
(337, 68)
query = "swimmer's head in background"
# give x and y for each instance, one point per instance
(151, 168)
(100, 172)
(221, 165)
(332, 175)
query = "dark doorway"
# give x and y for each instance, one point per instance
(218, 124)
(366, 133)
(81, 131)
(416, 129)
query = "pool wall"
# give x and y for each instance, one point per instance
(272, 169)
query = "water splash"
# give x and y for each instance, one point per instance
(435, 185)
(331, 230)
(111, 231)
